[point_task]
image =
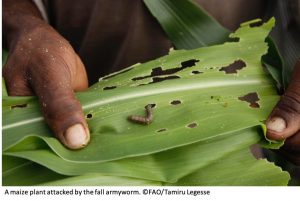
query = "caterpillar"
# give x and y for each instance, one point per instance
(143, 120)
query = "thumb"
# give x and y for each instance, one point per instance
(61, 110)
(64, 115)
(284, 120)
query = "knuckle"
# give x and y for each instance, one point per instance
(53, 65)
(60, 108)
(19, 88)
(60, 116)
(290, 104)
(294, 89)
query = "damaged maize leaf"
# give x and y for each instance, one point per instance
(209, 105)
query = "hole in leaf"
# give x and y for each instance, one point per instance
(254, 105)
(192, 125)
(196, 72)
(89, 116)
(252, 99)
(188, 63)
(158, 71)
(256, 151)
(176, 102)
(161, 130)
(160, 79)
(256, 24)
(233, 39)
(108, 88)
(18, 106)
(110, 76)
(234, 67)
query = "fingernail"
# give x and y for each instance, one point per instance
(76, 137)
(276, 124)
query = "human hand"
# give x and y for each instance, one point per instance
(284, 120)
(43, 63)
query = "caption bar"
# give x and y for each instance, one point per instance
(107, 192)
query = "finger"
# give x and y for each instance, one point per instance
(16, 83)
(292, 144)
(284, 120)
(61, 109)
(291, 149)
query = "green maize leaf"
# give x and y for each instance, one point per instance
(187, 25)
(268, 175)
(19, 172)
(4, 91)
(208, 98)
(101, 180)
(167, 166)
(274, 63)
(4, 58)
(203, 107)
(22, 172)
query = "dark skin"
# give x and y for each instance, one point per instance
(43, 63)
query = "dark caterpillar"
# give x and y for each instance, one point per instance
(143, 120)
